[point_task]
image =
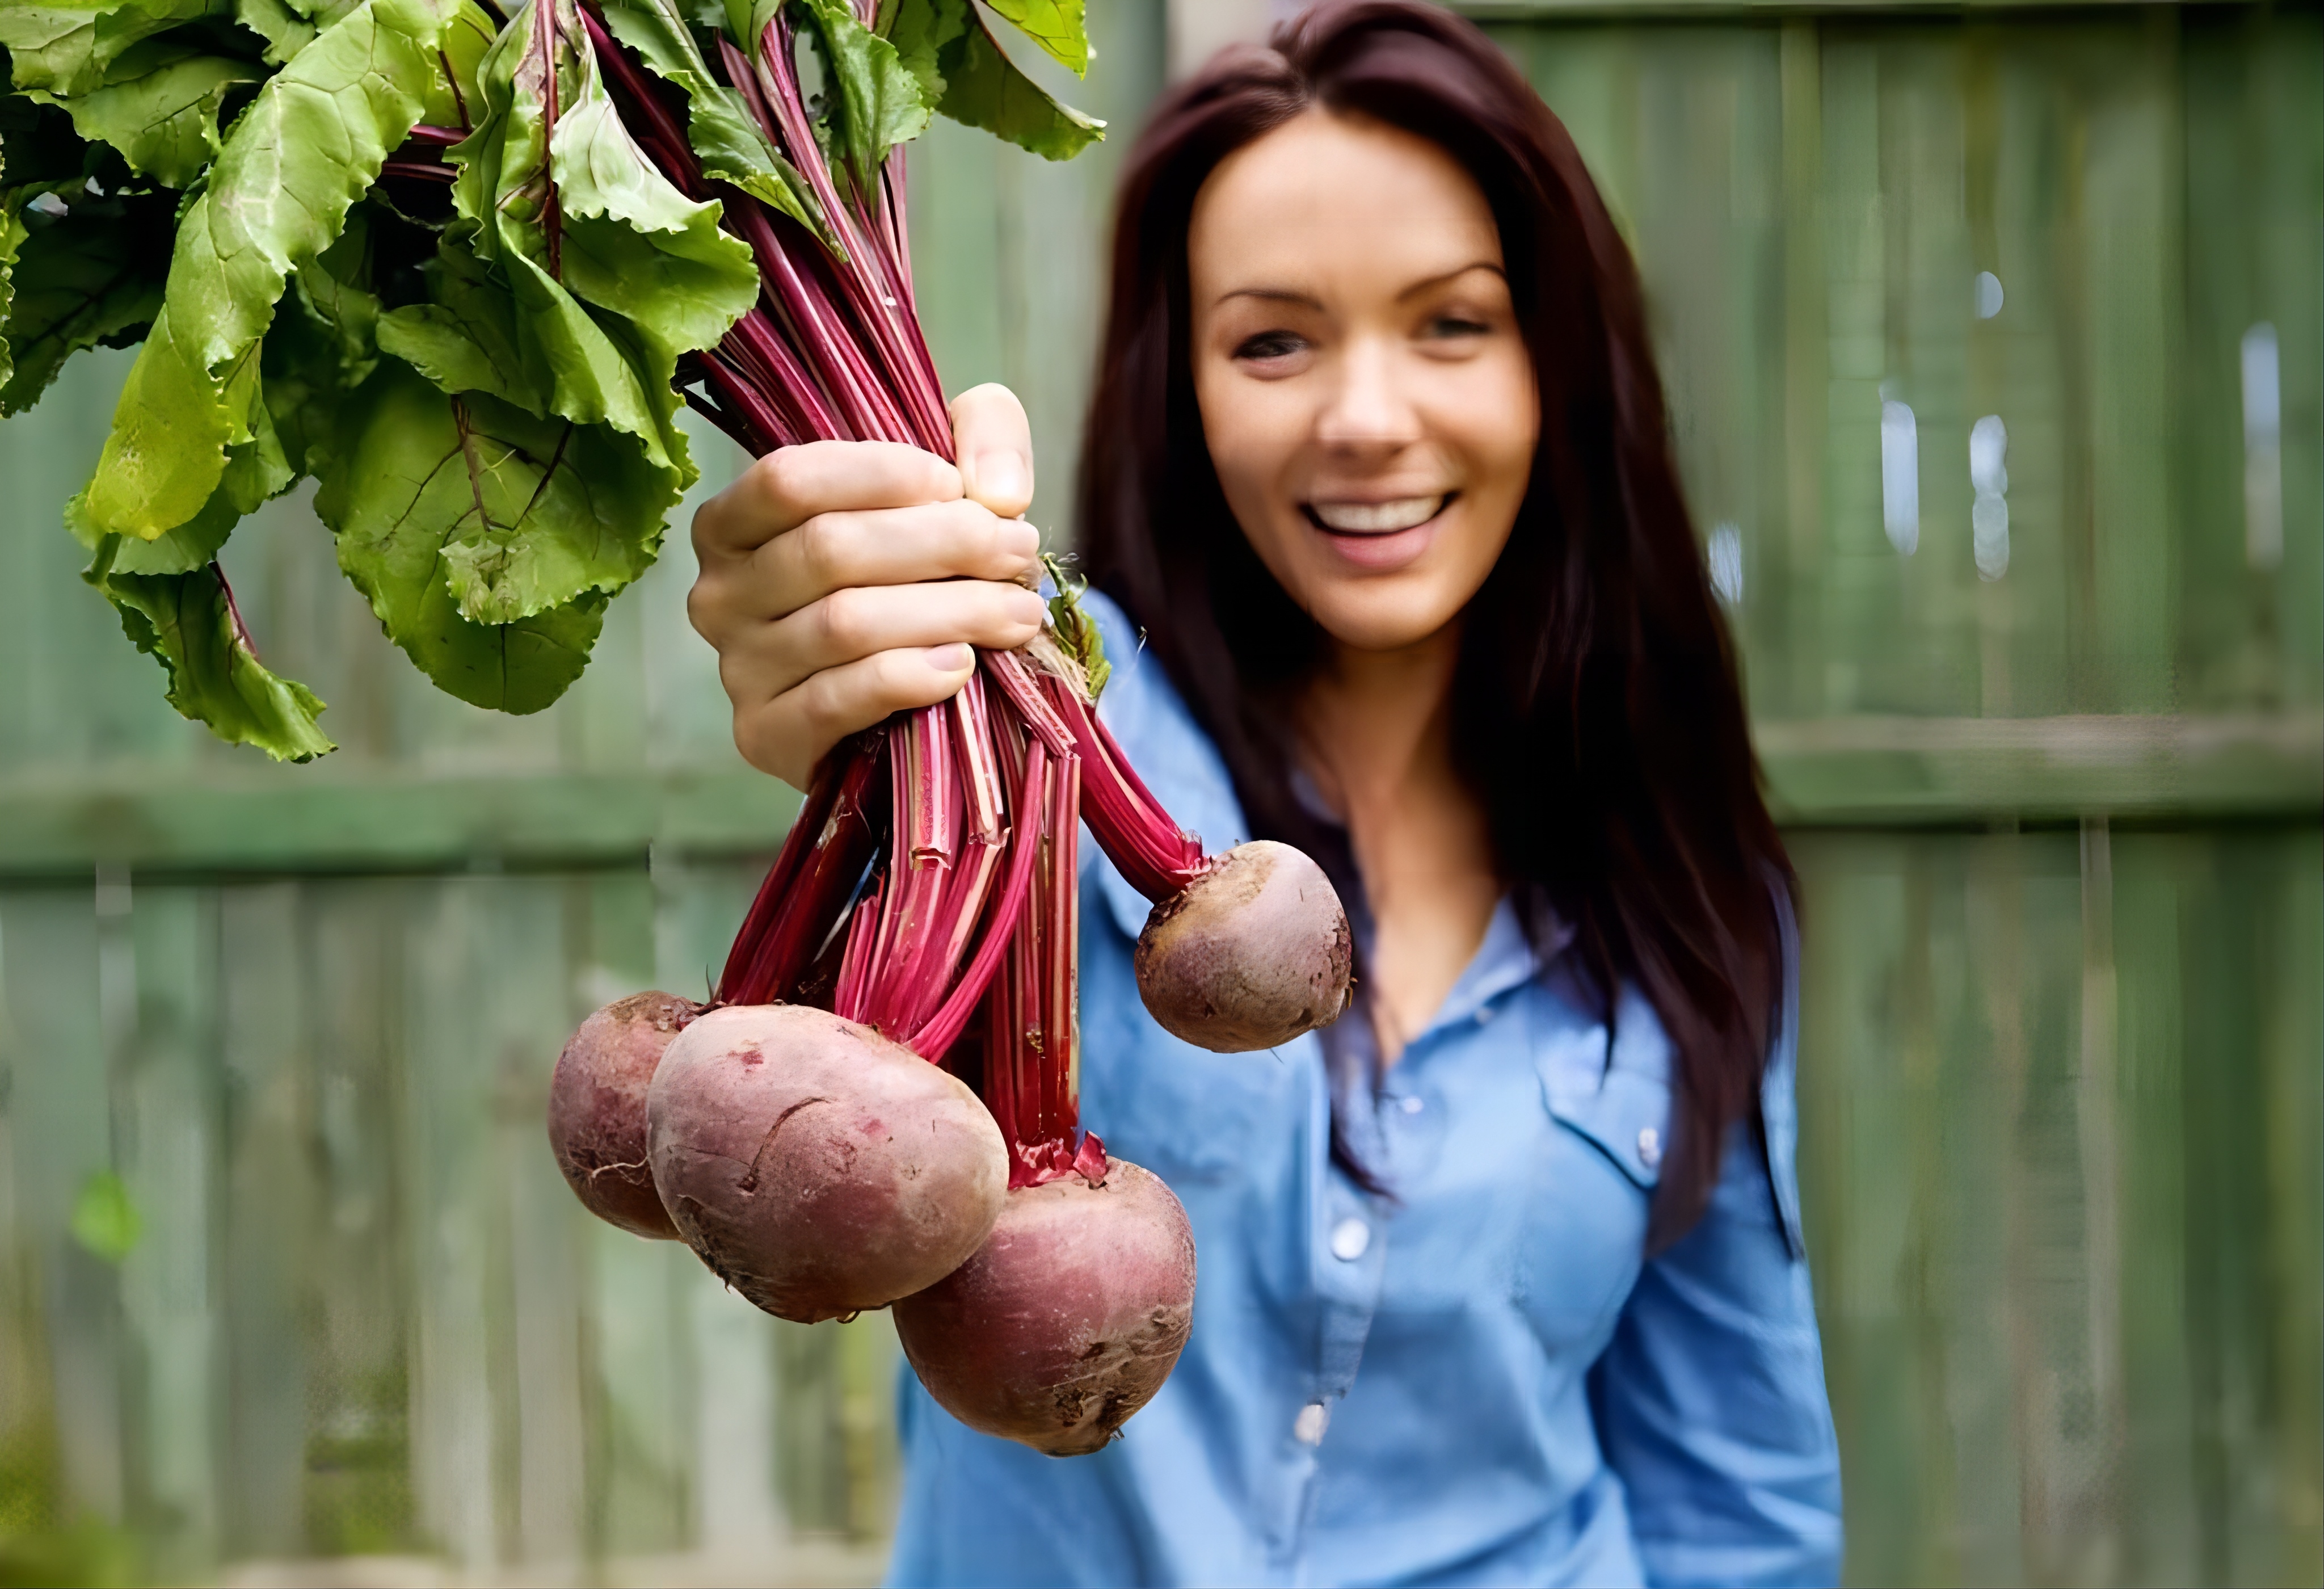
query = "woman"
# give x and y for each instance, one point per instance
(1500, 1280)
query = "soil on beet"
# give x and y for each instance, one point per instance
(597, 1108)
(1068, 1320)
(1250, 954)
(815, 1167)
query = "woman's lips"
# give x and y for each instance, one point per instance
(1378, 537)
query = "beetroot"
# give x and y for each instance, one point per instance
(1067, 1319)
(1250, 954)
(1245, 949)
(817, 1167)
(597, 1108)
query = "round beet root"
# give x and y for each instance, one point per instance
(1253, 952)
(597, 1108)
(1069, 1318)
(817, 1168)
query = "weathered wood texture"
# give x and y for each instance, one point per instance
(2062, 1089)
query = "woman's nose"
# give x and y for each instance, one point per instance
(1369, 407)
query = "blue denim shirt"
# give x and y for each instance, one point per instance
(1484, 1380)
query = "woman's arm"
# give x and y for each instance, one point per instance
(1710, 1400)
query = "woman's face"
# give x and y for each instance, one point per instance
(1367, 399)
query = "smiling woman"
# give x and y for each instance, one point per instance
(1503, 1282)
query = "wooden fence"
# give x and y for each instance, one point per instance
(1997, 361)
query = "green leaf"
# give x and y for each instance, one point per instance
(298, 157)
(447, 506)
(92, 279)
(188, 622)
(592, 371)
(12, 240)
(454, 99)
(920, 30)
(730, 144)
(984, 88)
(1057, 27)
(871, 99)
(65, 49)
(636, 245)
(105, 1222)
(159, 105)
(285, 28)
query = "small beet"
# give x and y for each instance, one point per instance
(1067, 1319)
(1253, 952)
(597, 1108)
(819, 1168)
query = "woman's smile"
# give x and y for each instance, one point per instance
(1382, 535)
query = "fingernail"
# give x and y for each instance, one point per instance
(1025, 606)
(1019, 538)
(950, 659)
(1000, 477)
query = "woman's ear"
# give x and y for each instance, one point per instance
(993, 442)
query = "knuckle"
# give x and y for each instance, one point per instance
(842, 624)
(820, 547)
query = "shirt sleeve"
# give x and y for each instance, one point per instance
(1710, 1400)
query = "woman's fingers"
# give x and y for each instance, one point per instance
(761, 661)
(994, 444)
(789, 734)
(792, 484)
(895, 546)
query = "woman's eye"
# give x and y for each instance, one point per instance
(1269, 344)
(1449, 326)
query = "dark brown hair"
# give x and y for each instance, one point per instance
(1596, 706)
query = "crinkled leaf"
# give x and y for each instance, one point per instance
(285, 28)
(187, 620)
(468, 337)
(321, 345)
(91, 279)
(872, 101)
(730, 144)
(159, 105)
(452, 94)
(66, 49)
(984, 88)
(297, 158)
(1057, 27)
(636, 245)
(12, 239)
(424, 481)
(920, 30)
(591, 373)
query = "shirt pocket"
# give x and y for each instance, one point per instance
(1585, 1232)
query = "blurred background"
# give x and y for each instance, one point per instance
(1995, 348)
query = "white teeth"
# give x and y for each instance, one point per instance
(1377, 518)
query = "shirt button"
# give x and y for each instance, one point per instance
(1350, 1237)
(1484, 1015)
(1307, 1428)
(1650, 1147)
(1412, 1105)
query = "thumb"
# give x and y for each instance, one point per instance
(994, 445)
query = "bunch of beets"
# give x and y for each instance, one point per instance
(878, 1106)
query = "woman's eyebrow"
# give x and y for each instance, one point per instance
(1275, 295)
(1417, 288)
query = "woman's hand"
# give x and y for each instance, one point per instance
(841, 581)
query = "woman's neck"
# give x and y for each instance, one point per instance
(1378, 727)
